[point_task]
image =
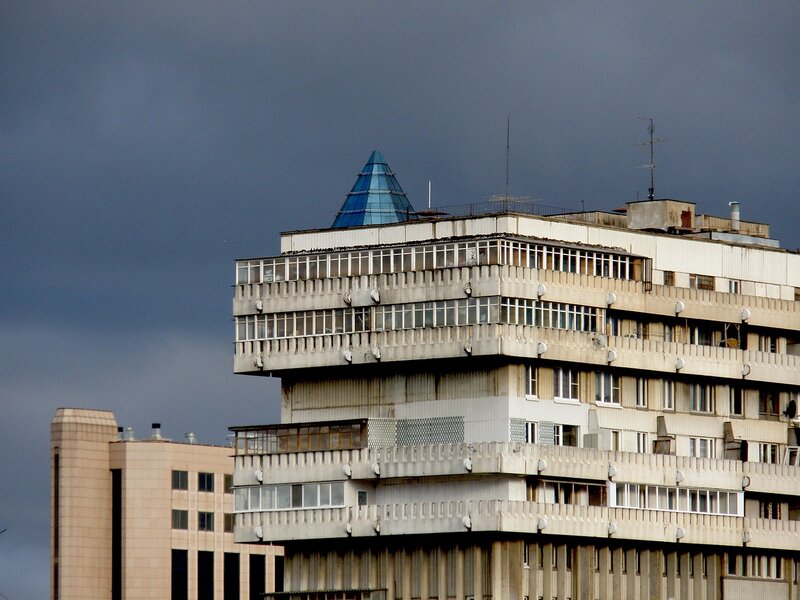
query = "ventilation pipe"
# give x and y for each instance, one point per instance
(191, 438)
(120, 435)
(156, 435)
(735, 223)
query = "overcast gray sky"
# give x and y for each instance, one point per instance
(144, 146)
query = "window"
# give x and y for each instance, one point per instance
(702, 447)
(288, 496)
(668, 395)
(669, 278)
(565, 384)
(607, 389)
(676, 499)
(531, 381)
(735, 396)
(180, 480)
(768, 404)
(642, 447)
(615, 445)
(768, 509)
(767, 343)
(205, 521)
(228, 521)
(702, 398)
(701, 282)
(180, 519)
(766, 453)
(530, 433)
(205, 482)
(734, 286)
(228, 483)
(565, 435)
(362, 498)
(641, 392)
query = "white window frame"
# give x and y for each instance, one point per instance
(566, 385)
(531, 432)
(702, 398)
(642, 443)
(642, 392)
(668, 395)
(558, 435)
(608, 389)
(702, 447)
(766, 452)
(531, 382)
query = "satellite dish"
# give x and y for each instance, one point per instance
(791, 410)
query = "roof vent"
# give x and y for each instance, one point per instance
(156, 435)
(735, 220)
(128, 436)
(191, 438)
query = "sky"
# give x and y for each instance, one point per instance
(144, 146)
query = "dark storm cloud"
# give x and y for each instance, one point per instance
(144, 146)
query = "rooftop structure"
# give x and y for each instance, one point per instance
(147, 518)
(506, 405)
(376, 197)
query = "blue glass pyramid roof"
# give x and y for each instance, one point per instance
(376, 197)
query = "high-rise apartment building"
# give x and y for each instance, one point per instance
(150, 518)
(510, 406)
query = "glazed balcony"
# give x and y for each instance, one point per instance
(514, 459)
(473, 516)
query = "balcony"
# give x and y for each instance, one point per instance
(473, 516)
(513, 459)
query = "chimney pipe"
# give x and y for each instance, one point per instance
(156, 435)
(735, 223)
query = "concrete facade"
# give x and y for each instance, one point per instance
(117, 521)
(512, 406)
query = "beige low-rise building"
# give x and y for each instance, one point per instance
(145, 518)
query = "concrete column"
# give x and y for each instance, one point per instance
(389, 574)
(602, 580)
(656, 580)
(338, 575)
(583, 573)
(533, 569)
(477, 572)
(697, 588)
(459, 573)
(713, 587)
(404, 557)
(672, 563)
(561, 572)
(644, 575)
(424, 575)
(616, 575)
(442, 573)
(496, 561)
(547, 570)
(630, 576)
(684, 579)
(513, 565)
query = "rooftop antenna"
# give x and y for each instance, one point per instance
(429, 194)
(651, 191)
(508, 150)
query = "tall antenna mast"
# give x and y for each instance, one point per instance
(508, 150)
(651, 191)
